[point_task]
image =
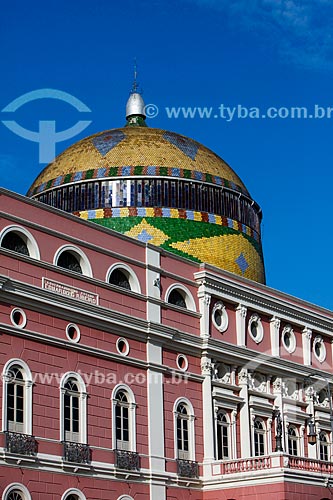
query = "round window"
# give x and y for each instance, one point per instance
(73, 332)
(220, 317)
(288, 339)
(122, 346)
(255, 328)
(18, 318)
(182, 362)
(319, 349)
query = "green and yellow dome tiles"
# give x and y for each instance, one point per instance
(137, 153)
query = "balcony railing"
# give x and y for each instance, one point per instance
(245, 465)
(187, 468)
(21, 444)
(311, 465)
(76, 452)
(129, 460)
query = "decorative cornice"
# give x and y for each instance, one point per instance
(264, 299)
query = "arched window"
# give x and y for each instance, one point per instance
(177, 299)
(179, 295)
(124, 433)
(122, 421)
(69, 261)
(16, 491)
(17, 394)
(259, 437)
(73, 259)
(73, 409)
(73, 494)
(19, 240)
(223, 436)
(123, 276)
(13, 241)
(15, 400)
(119, 278)
(293, 440)
(324, 446)
(184, 430)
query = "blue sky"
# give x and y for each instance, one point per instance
(199, 53)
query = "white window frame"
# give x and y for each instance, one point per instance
(264, 433)
(294, 439)
(128, 272)
(328, 443)
(220, 308)
(26, 236)
(16, 486)
(82, 406)
(131, 416)
(73, 491)
(186, 294)
(228, 426)
(191, 432)
(255, 318)
(27, 377)
(79, 254)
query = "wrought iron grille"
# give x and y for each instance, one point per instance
(187, 468)
(22, 444)
(129, 460)
(77, 452)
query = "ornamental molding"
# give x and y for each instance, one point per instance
(260, 297)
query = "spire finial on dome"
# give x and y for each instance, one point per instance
(135, 107)
(135, 86)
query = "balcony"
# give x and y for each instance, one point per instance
(187, 468)
(310, 465)
(246, 465)
(270, 465)
(20, 444)
(129, 460)
(76, 452)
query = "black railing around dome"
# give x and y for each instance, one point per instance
(169, 193)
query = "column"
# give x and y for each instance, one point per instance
(244, 417)
(240, 324)
(274, 326)
(153, 285)
(204, 306)
(306, 343)
(208, 418)
(155, 409)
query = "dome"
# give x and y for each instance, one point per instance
(159, 187)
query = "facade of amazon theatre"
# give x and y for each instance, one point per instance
(142, 355)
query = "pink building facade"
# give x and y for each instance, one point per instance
(149, 376)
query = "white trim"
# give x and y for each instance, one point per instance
(255, 318)
(186, 294)
(73, 491)
(78, 333)
(128, 272)
(221, 309)
(191, 433)
(186, 362)
(132, 416)
(122, 339)
(82, 404)
(16, 486)
(24, 317)
(79, 254)
(26, 236)
(27, 376)
(289, 330)
(322, 356)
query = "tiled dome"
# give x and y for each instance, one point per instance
(159, 187)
